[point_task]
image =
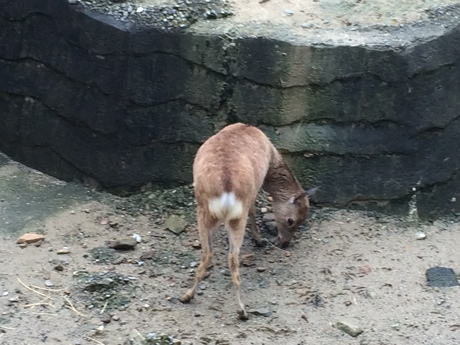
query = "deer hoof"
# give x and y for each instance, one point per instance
(242, 315)
(186, 298)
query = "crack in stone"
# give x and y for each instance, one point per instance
(78, 124)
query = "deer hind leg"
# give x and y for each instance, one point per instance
(254, 228)
(235, 230)
(206, 225)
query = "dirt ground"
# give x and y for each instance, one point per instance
(344, 266)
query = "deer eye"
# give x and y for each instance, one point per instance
(290, 221)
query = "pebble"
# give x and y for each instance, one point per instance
(63, 250)
(264, 210)
(127, 243)
(30, 238)
(349, 328)
(260, 312)
(247, 260)
(147, 255)
(419, 235)
(48, 283)
(261, 269)
(288, 12)
(137, 237)
(193, 264)
(6, 293)
(175, 224)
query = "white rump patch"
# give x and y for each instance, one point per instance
(226, 207)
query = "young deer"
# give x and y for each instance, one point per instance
(228, 172)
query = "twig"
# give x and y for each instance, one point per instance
(268, 241)
(105, 306)
(47, 289)
(33, 290)
(95, 340)
(42, 313)
(8, 328)
(72, 307)
(37, 304)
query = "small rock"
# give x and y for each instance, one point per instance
(196, 244)
(6, 293)
(14, 299)
(106, 319)
(419, 235)
(175, 224)
(261, 269)
(288, 12)
(115, 318)
(140, 9)
(127, 243)
(349, 328)
(260, 312)
(271, 228)
(263, 210)
(288, 253)
(248, 260)
(137, 237)
(48, 283)
(30, 238)
(441, 277)
(193, 264)
(63, 250)
(136, 338)
(268, 217)
(147, 255)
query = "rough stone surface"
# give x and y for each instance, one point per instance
(366, 116)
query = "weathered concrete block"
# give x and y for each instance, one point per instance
(366, 119)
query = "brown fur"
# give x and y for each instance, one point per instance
(240, 159)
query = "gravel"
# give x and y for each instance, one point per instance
(178, 14)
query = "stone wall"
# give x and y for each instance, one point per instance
(82, 94)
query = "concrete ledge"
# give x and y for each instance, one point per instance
(367, 115)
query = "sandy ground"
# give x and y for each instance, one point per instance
(360, 268)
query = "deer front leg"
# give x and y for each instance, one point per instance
(254, 228)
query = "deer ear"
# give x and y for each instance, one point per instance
(310, 192)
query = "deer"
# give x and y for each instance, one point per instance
(229, 169)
